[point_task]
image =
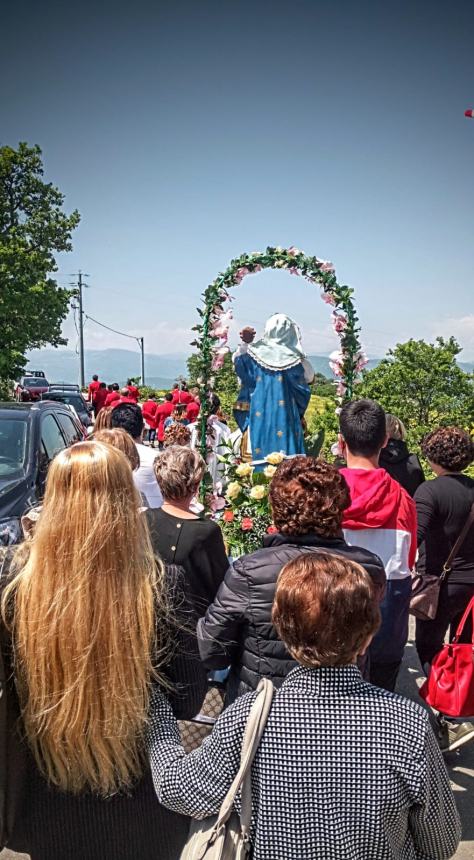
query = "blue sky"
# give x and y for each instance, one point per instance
(186, 133)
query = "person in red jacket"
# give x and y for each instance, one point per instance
(181, 393)
(113, 396)
(193, 407)
(92, 388)
(125, 397)
(133, 391)
(382, 519)
(163, 411)
(99, 398)
(149, 414)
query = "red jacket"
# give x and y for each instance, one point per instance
(149, 413)
(134, 392)
(93, 387)
(382, 519)
(129, 399)
(112, 397)
(163, 412)
(192, 411)
(100, 399)
(182, 396)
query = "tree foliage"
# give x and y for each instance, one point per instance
(33, 227)
(226, 383)
(423, 385)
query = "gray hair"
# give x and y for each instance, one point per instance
(179, 471)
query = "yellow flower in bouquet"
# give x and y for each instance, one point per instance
(244, 470)
(275, 458)
(233, 490)
(258, 492)
(269, 471)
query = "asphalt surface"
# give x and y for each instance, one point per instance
(460, 764)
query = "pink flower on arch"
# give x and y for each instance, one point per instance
(240, 274)
(326, 266)
(336, 361)
(328, 298)
(257, 268)
(339, 322)
(293, 252)
(341, 388)
(293, 270)
(219, 356)
(361, 361)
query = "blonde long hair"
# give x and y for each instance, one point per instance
(83, 607)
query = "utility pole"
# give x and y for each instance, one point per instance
(81, 332)
(141, 341)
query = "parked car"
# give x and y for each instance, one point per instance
(30, 388)
(31, 434)
(71, 397)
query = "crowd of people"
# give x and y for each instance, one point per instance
(121, 604)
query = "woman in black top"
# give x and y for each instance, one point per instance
(443, 507)
(396, 459)
(178, 535)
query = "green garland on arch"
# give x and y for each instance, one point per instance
(211, 337)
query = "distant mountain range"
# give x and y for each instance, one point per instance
(115, 365)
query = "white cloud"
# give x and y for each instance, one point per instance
(462, 328)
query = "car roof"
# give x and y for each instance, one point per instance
(38, 406)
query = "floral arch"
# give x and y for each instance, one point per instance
(212, 330)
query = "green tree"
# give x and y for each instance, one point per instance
(423, 385)
(226, 387)
(32, 227)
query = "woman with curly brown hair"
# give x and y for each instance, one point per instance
(443, 506)
(307, 498)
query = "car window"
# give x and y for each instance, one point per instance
(51, 437)
(35, 381)
(13, 447)
(70, 430)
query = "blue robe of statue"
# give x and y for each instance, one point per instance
(278, 401)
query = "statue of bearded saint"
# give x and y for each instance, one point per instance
(275, 378)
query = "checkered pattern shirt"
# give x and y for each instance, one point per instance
(344, 771)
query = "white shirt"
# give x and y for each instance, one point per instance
(144, 476)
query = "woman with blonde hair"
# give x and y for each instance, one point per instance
(103, 420)
(396, 459)
(123, 441)
(87, 608)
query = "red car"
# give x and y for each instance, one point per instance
(31, 388)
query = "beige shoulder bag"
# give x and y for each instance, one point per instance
(226, 836)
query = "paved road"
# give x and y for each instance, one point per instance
(460, 764)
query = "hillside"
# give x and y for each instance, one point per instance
(115, 365)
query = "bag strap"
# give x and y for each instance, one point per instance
(254, 729)
(447, 567)
(469, 608)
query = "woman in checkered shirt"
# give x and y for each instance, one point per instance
(345, 770)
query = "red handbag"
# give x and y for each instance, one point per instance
(450, 685)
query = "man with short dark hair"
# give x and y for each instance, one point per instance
(92, 388)
(100, 398)
(128, 417)
(382, 519)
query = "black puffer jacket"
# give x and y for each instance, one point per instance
(237, 628)
(404, 467)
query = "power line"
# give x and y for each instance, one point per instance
(131, 336)
(139, 340)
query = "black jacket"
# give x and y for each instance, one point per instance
(404, 467)
(442, 508)
(237, 628)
